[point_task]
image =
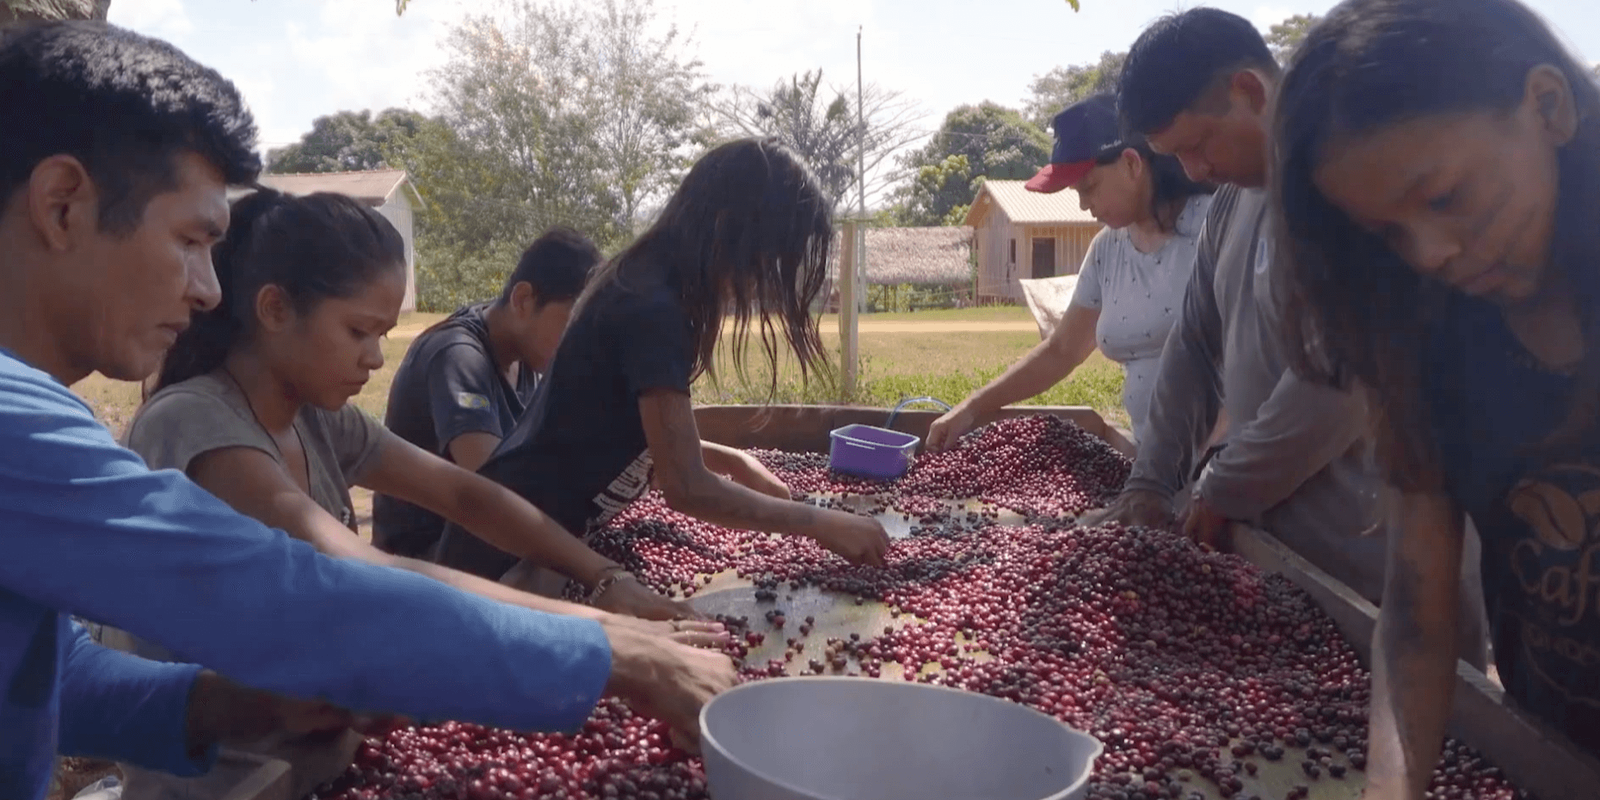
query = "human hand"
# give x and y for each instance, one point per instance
(692, 632)
(1203, 524)
(753, 475)
(666, 680)
(631, 598)
(1134, 508)
(857, 539)
(945, 430)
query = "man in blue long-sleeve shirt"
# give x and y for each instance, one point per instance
(115, 154)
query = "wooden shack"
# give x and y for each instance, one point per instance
(1021, 234)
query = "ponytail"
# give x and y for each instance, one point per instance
(313, 247)
(205, 344)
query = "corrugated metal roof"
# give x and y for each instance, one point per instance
(373, 187)
(1027, 208)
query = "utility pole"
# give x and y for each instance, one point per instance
(849, 354)
(861, 177)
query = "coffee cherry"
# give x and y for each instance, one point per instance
(1176, 659)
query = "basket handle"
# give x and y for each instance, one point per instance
(903, 403)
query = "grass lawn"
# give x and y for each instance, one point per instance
(896, 366)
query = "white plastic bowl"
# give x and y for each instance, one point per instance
(838, 738)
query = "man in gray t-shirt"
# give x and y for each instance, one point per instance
(1297, 461)
(466, 381)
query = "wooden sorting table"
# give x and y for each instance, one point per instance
(1533, 757)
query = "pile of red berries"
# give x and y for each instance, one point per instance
(1040, 466)
(1194, 669)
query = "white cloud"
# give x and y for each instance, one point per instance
(165, 19)
(1267, 16)
(360, 60)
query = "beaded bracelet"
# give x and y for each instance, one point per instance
(612, 577)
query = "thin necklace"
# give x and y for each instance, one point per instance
(305, 455)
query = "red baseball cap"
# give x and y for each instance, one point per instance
(1055, 177)
(1084, 131)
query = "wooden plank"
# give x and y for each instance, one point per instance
(1536, 758)
(265, 778)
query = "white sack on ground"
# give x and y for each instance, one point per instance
(1048, 299)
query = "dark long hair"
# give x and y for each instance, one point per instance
(1355, 313)
(746, 236)
(313, 247)
(1170, 187)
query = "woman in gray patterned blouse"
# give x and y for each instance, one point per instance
(1131, 284)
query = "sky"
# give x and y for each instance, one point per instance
(296, 60)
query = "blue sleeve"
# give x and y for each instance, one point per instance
(118, 706)
(90, 531)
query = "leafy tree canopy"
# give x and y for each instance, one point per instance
(974, 143)
(347, 141)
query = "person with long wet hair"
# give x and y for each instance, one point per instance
(1437, 170)
(466, 380)
(741, 245)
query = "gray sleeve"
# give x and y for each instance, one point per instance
(1300, 429)
(1087, 294)
(1187, 396)
(356, 440)
(180, 425)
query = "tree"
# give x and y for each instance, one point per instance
(1285, 36)
(550, 113)
(347, 141)
(469, 232)
(1063, 86)
(820, 124)
(651, 103)
(975, 143)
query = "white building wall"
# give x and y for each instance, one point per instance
(398, 212)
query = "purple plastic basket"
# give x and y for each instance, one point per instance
(871, 452)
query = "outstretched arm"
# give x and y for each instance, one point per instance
(500, 517)
(1187, 397)
(1414, 652)
(167, 716)
(256, 485)
(91, 531)
(1299, 430)
(119, 706)
(1046, 365)
(692, 488)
